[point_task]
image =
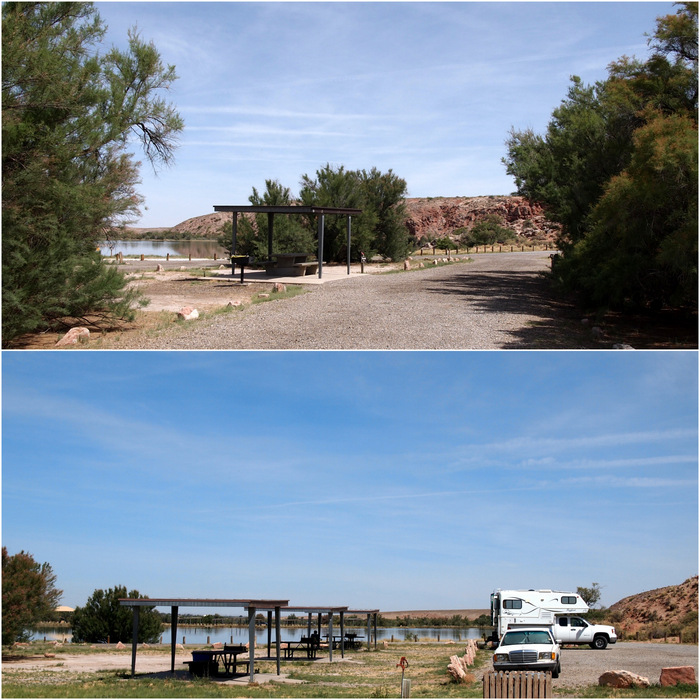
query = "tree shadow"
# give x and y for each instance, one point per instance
(553, 323)
(556, 322)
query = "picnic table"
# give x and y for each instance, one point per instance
(352, 640)
(290, 265)
(205, 662)
(306, 645)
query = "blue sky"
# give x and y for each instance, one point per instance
(389, 480)
(429, 90)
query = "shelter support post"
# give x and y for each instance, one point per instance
(375, 630)
(369, 634)
(134, 637)
(269, 631)
(234, 235)
(349, 239)
(278, 633)
(321, 230)
(308, 625)
(330, 635)
(173, 635)
(251, 640)
(270, 228)
(342, 634)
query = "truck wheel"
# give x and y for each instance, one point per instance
(599, 643)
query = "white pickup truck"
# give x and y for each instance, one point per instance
(575, 630)
(545, 608)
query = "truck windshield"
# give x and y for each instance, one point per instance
(526, 637)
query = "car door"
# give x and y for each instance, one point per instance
(579, 631)
(562, 630)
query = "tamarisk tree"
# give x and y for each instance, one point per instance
(70, 116)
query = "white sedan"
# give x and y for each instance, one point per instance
(528, 650)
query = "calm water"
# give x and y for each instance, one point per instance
(239, 635)
(198, 249)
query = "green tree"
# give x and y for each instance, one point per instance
(289, 235)
(488, 231)
(617, 168)
(29, 594)
(380, 229)
(591, 594)
(103, 618)
(69, 118)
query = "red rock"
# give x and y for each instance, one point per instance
(623, 679)
(674, 675)
(73, 336)
(188, 313)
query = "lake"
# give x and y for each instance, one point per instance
(197, 249)
(239, 634)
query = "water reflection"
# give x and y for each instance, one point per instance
(197, 249)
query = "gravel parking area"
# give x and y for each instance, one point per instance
(496, 301)
(582, 666)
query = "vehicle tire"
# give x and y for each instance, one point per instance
(556, 671)
(599, 642)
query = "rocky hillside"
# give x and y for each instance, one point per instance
(672, 605)
(428, 217)
(435, 217)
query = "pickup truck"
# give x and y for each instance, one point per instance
(569, 629)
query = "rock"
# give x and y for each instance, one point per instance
(674, 675)
(74, 336)
(120, 646)
(435, 262)
(182, 267)
(457, 668)
(623, 679)
(237, 302)
(421, 265)
(279, 287)
(406, 265)
(263, 295)
(49, 656)
(159, 268)
(188, 313)
(217, 645)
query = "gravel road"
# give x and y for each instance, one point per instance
(497, 301)
(582, 666)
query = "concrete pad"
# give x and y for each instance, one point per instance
(330, 273)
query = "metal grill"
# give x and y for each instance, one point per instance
(523, 656)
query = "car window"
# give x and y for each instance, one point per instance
(526, 637)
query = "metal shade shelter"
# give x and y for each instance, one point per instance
(252, 606)
(249, 604)
(321, 212)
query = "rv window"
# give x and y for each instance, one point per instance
(569, 600)
(512, 604)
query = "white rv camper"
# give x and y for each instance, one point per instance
(513, 608)
(557, 610)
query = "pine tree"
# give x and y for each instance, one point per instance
(69, 117)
